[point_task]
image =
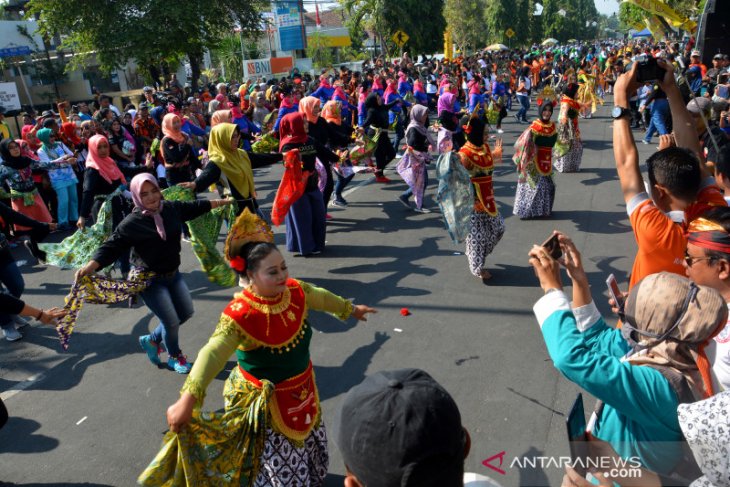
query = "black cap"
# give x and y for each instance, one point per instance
(400, 428)
(48, 114)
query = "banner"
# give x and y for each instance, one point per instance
(9, 98)
(289, 23)
(255, 68)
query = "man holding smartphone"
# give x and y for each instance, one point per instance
(680, 186)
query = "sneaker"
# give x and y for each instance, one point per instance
(179, 364)
(403, 199)
(500, 131)
(186, 239)
(150, 347)
(341, 203)
(381, 179)
(11, 334)
(421, 210)
(644, 141)
(20, 322)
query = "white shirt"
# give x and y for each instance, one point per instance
(718, 353)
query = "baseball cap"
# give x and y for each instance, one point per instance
(144, 106)
(699, 104)
(695, 53)
(400, 428)
(48, 114)
(147, 89)
(717, 57)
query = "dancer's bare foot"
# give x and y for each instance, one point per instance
(485, 275)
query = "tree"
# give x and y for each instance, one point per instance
(464, 19)
(499, 16)
(318, 48)
(148, 31)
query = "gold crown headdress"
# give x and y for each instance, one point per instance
(248, 227)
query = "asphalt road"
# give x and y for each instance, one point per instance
(95, 415)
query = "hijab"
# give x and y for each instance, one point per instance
(324, 82)
(69, 130)
(291, 130)
(26, 150)
(220, 116)
(169, 131)
(571, 90)
(390, 89)
(446, 102)
(135, 188)
(236, 112)
(106, 166)
(25, 135)
(307, 106)
(332, 112)
(234, 163)
(44, 135)
(371, 102)
(17, 163)
(339, 92)
(417, 114)
(418, 86)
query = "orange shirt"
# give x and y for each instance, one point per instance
(661, 241)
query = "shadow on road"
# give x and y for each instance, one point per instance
(18, 437)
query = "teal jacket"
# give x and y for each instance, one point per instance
(639, 418)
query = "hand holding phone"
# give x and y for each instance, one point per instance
(616, 294)
(552, 245)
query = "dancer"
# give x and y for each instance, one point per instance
(487, 225)
(412, 166)
(339, 138)
(232, 166)
(305, 220)
(271, 431)
(62, 177)
(569, 147)
(153, 231)
(448, 124)
(376, 123)
(533, 157)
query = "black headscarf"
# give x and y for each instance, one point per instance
(571, 90)
(17, 163)
(474, 129)
(371, 101)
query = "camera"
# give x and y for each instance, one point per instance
(647, 69)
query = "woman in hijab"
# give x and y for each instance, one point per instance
(122, 149)
(376, 123)
(568, 148)
(231, 166)
(152, 232)
(247, 128)
(63, 179)
(339, 136)
(220, 116)
(305, 220)
(346, 107)
(397, 111)
(640, 372)
(412, 166)
(318, 130)
(449, 124)
(177, 152)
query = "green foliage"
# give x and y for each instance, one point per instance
(464, 19)
(319, 50)
(385, 17)
(350, 53)
(148, 31)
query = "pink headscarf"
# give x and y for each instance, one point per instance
(324, 81)
(106, 166)
(26, 151)
(220, 116)
(377, 85)
(24, 132)
(307, 106)
(169, 131)
(339, 93)
(235, 111)
(136, 188)
(389, 90)
(473, 87)
(418, 86)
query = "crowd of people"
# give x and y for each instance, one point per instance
(121, 187)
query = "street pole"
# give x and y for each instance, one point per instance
(243, 57)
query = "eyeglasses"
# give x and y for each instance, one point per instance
(690, 260)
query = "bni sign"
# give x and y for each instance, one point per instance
(257, 67)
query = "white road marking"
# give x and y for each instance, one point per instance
(81, 420)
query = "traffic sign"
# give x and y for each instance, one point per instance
(400, 38)
(509, 33)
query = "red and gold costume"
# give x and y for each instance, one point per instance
(478, 161)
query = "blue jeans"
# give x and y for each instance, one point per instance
(659, 117)
(341, 184)
(169, 299)
(400, 132)
(68, 204)
(12, 279)
(524, 106)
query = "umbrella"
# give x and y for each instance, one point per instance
(549, 42)
(497, 47)
(572, 40)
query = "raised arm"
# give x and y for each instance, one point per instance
(624, 148)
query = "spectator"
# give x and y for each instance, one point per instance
(676, 190)
(641, 372)
(401, 428)
(105, 101)
(4, 128)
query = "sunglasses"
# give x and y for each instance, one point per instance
(690, 260)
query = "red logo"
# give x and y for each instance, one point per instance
(487, 462)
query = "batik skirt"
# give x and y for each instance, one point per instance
(484, 234)
(570, 162)
(535, 201)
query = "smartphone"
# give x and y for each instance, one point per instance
(575, 425)
(648, 69)
(553, 247)
(615, 292)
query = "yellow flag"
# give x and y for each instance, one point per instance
(656, 7)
